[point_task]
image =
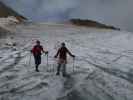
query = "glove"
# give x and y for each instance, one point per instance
(46, 52)
(73, 56)
(55, 56)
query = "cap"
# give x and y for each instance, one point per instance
(37, 41)
(63, 44)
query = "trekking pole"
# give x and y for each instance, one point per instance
(30, 60)
(47, 61)
(73, 63)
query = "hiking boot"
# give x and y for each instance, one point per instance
(64, 75)
(37, 70)
(57, 73)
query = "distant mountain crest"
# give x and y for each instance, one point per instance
(91, 23)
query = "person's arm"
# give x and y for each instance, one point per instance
(46, 52)
(57, 53)
(70, 53)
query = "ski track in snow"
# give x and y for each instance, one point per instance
(103, 66)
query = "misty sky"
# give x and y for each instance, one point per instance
(113, 12)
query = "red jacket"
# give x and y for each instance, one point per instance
(37, 50)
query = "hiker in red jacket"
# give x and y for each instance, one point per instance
(62, 53)
(37, 51)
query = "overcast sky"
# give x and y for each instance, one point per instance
(113, 12)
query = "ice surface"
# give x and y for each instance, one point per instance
(102, 67)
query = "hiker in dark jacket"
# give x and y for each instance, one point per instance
(62, 53)
(37, 51)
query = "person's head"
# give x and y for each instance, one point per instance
(63, 44)
(38, 42)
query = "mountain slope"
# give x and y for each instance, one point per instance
(6, 11)
(3, 32)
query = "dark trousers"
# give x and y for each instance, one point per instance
(63, 69)
(37, 59)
